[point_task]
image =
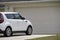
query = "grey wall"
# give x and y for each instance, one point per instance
(26, 0)
(45, 20)
(19, 0)
(46, 0)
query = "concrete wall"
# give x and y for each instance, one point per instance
(46, 0)
(26, 0)
(44, 20)
(44, 16)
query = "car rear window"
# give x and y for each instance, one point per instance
(1, 16)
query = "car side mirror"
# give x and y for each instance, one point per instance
(23, 18)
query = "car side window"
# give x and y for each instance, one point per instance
(10, 16)
(17, 16)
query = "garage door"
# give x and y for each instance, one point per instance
(44, 19)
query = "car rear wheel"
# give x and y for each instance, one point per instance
(29, 31)
(8, 32)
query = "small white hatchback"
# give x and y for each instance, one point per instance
(13, 22)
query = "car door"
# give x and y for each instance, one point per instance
(12, 21)
(21, 24)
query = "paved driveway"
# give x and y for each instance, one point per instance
(22, 37)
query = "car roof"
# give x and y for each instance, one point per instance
(9, 12)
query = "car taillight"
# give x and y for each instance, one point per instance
(1, 18)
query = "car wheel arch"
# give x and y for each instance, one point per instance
(8, 27)
(29, 26)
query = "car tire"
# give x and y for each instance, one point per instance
(8, 32)
(29, 30)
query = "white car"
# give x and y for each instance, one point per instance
(13, 22)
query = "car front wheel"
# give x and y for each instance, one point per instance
(29, 31)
